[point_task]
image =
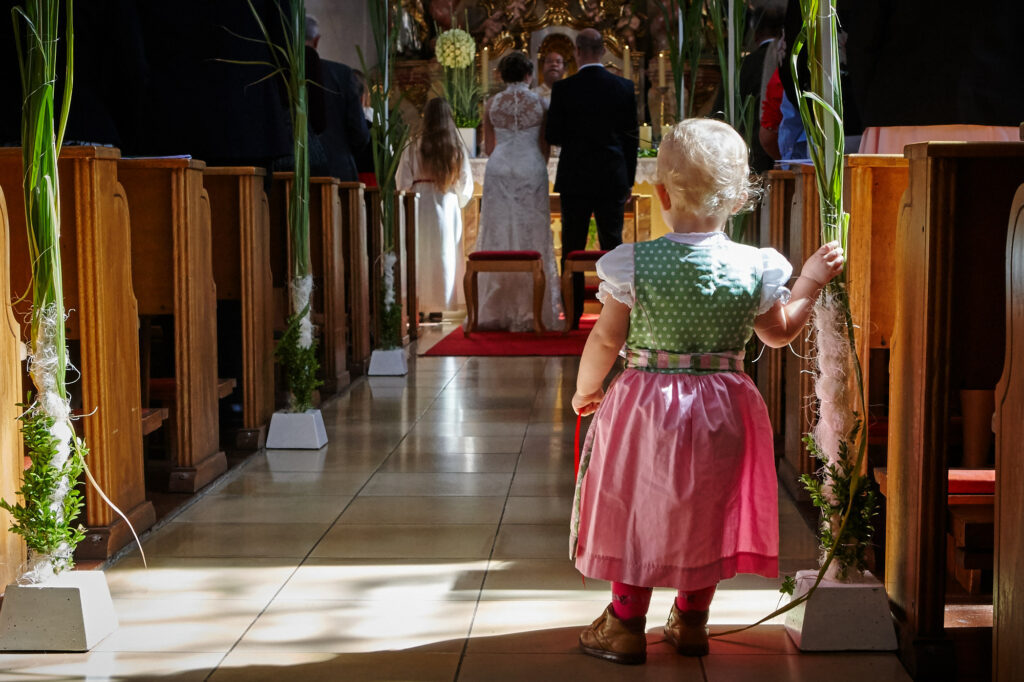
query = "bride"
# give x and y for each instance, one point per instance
(515, 215)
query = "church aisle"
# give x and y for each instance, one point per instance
(428, 541)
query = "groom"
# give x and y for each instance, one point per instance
(593, 119)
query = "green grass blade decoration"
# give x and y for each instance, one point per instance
(728, 22)
(841, 491)
(687, 53)
(297, 348)
(50, 503)
(389, 136)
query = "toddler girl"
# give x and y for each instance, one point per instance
(436, 164)
(677, 486)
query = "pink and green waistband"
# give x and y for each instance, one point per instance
(669, 362)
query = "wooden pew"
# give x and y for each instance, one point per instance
(103, 324)
(949, 332)
(773, 231)
(875, 184)
(172, 274)
(357, 275)
(804, 238)
(12, 548)
(240, 222)
(1008, 592)
(327, 265)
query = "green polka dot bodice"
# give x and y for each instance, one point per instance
(694, 298)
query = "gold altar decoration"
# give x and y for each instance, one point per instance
(509, 23)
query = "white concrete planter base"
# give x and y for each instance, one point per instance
(70, 612)
(388, 363)
(841, 616)
(291, 461)
(297, 431)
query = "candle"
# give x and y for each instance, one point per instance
(485, 60)
(645, 136)
(662, 58)
(665, 130)
(627, 64)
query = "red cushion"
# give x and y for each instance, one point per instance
(585, 255)
(972, 481)
(505, 255)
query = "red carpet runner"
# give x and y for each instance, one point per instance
(514, 343)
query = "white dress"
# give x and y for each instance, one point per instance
(440, 264)
(515, 215)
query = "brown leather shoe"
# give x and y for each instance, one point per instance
(620, 641)
(686, 632)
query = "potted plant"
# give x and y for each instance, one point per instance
(389, 136)
(300, 426)
(50, 608)
(456, 51)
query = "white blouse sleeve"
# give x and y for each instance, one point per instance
(615, 269)
(774, 276)
(464, 185)
(404, 175)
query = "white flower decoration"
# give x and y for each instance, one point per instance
(455, 49)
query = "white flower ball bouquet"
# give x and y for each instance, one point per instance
(456, 50)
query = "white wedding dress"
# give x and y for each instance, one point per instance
(515, 215)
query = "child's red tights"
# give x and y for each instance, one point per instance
(629, 601)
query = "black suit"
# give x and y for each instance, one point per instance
(346, 131)
(593, 119)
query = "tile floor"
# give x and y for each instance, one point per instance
(427, 541)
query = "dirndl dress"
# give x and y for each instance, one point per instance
(677, 483)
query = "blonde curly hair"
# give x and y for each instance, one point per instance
(702, 163)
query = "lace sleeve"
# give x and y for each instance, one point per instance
(516, 108)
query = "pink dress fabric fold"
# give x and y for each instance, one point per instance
(699, 505)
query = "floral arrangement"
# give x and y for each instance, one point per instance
(45, 516)
(455, 50)
(840, 491)
(389, 136)
(297, 348)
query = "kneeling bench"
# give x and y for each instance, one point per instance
(503, 261)
(576, 261)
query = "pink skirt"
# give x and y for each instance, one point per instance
(677, 484)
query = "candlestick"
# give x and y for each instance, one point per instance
(662, 58)
(627, 64)
(645, 136)
(485, 67)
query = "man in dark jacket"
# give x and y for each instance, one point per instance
(593, 119)
(345, 132)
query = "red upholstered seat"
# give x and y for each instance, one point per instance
(585, 255)
(505, 255)
(503, 261)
